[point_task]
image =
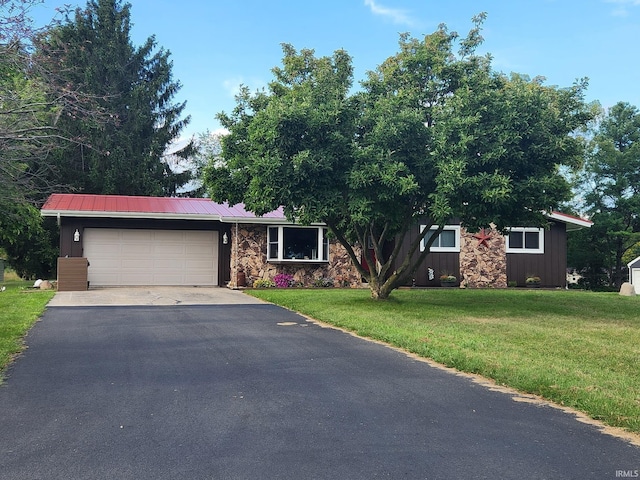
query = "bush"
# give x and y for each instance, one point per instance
(284, 280)
(323, 282)
(264, 283)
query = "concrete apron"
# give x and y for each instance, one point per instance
(123, 296)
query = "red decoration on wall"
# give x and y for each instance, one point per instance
(482, 237)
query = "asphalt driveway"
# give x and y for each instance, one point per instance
(253, 391)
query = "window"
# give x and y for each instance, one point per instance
(525, 240)
(297, 244)
(447, 241)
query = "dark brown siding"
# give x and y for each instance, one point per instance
(438, 262)
(69, 248)
(551, 266)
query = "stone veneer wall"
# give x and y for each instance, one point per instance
(481, 265)
(250, 256)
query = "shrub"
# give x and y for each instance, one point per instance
(284, 280)
(323, 282)
(264, 283)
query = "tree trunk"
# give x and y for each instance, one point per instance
(382, 291)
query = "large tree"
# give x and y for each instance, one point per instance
(29, 107)
(432, 134)
(92, 52)
(611, 189)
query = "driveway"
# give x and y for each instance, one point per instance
(152, 296)
(253, 391)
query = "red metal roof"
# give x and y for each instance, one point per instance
(122, 206)
(119, 206)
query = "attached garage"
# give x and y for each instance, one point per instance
(133, 240)
(122, 257)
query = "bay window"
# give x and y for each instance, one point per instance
(297, 244)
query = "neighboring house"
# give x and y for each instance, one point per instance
(131, 240)
(634, 273)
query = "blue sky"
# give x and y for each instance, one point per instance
(217, 45)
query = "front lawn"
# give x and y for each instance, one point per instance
(578, 349)
(20, 307)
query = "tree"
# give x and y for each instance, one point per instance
(26, 118)
(92, 53)
(611, 187)
(432, 133)
(28, 111)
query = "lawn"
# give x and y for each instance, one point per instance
(20, 307)
(578, 349)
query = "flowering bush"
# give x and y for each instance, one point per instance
(284, 280)
(264, 283)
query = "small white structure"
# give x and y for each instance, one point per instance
(634, 273)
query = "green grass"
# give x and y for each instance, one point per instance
(578, 349)
(20, 307)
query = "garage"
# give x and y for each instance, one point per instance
(122, 257)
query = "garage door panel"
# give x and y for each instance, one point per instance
(134, 250)
(151, 257)
(169, 249)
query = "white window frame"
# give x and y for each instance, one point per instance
(524, 249)
(322, 255)
(454, 249)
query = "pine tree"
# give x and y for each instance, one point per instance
(92, 53)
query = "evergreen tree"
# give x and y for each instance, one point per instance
(610, 186)
(92, 53)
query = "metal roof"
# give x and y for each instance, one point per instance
(573, 223)
(123, 206)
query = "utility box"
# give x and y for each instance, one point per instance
(73, 274)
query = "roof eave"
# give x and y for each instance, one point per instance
(573, 223)
(138, 215)
(265, 221)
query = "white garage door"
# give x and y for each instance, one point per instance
(635, 279)
(151, 257)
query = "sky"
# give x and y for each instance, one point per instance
(218, 45)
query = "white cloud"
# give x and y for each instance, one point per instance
(396, 15)
(232, 85)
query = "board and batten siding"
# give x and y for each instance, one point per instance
(550, 266)
(436, 264)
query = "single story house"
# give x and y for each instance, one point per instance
(132, 240)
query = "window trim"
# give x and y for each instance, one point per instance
(322, 239)
(524, 249)
(454, 249)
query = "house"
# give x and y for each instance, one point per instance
(131, 240)
(634, 273)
